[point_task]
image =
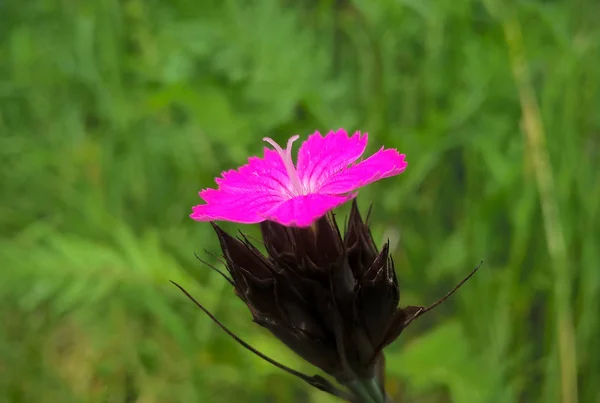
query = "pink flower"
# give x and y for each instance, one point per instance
(272, 188)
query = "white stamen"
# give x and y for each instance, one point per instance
(286, 157)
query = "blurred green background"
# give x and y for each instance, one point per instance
(114, 113)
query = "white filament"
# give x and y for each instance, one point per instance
(286, 158)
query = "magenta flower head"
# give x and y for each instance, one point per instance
(273, 188)
(331, 298)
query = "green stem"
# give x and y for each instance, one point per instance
(376, 392)
(367, 390)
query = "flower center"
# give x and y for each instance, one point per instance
(286, 157)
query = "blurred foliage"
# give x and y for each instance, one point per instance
(114, 113)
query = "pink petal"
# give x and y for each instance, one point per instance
(247, 208)
(382, 164)
(246, 194)
(320, 157)
(266, 174)
(302, 211)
